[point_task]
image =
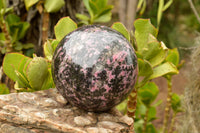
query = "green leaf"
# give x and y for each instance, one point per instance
(145, 68)
(22, 66)
(12, 19)
(93, 7)
(37, 72)
(54, 44)
(53, 5)
(22, 80)
(14, 34)
(167, 5)
(104, 11)
(139, 5)
(3, 50)
(83, 22)
(141, 109)
(176, 103)
(4, 89)
(12, 62)
(17, 28)
(157, 103)
(150, 128)
(23, 29)
(139, 55)
(144, 5)
(143, 28)
(48, 82)
(160, 12)
(18, 46)
(103, 18)
(151, 38)
(29, 52)
(49, 48)
(2, 37)
(2, 4)
(86, 3)
(122, 29)
(138, 126)
(164, 69)
(28, 45)
(148, 93)
(155, 53)
(101, 3)
(29, 3)
(151, 114)
(173, 56)
(9, 10)
(82, 17)
(63, 27)
(122, 106)
(99, 11)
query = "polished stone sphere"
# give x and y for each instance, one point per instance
(94, 68)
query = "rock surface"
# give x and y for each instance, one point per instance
(48, 112)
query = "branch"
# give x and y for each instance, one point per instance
(194, 10)
(131, 13)
(122, 11)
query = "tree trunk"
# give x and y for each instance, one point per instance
(131, 13)
(127, 12)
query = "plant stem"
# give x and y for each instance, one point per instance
(145, 121)
(8, 42)
(168, 105)
(172, 123)
(131, 105)
(45, 27)
(194, 10)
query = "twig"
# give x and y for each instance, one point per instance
(189, 48)
(122, 11)
(145, 121)
(8, 41)
(172, 123)
(131, 14)
(168, 105)
(45, 27)
(131, 106)
(194, 10)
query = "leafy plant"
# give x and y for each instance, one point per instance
(45, 7)
(162, 6)
(98, 10)
(13, 30)
(29, 74)
(154, 60)
(32, 74)
(50, 6)
(64, 26)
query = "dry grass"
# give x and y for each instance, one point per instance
(189, 123)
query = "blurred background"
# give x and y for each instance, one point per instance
(178, 26)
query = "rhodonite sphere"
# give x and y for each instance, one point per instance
(94, 68)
